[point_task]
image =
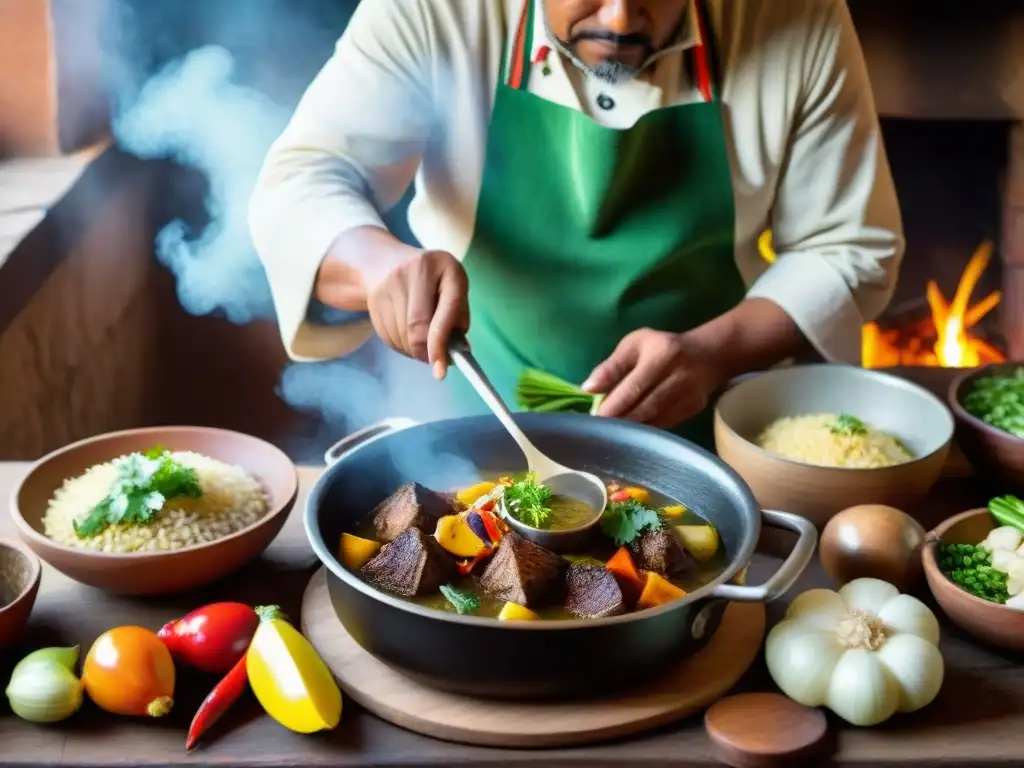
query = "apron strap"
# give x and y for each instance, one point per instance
(522, 46)
(704, 56)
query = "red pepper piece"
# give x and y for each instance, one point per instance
(494, 532)
(619, 496)
(217, 702)
(466, 566)
(212, 638)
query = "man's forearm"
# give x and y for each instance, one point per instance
(754, 335)
(356, 261)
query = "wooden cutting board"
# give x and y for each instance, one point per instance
(688, 688)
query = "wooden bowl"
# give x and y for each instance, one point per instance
(20, 574)
(893, 405)
(990, 450)
(987, 621)
(150, 573)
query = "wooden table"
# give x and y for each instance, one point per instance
(978, 719)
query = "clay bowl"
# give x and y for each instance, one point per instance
(151, 573)
(20, 574)
(991, 451)
(893, 405)
(990, 622)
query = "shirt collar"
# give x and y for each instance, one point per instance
(688, 36)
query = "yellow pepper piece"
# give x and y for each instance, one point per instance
(676, 510)
(639, 495)
(469, 496)
(658, 591)
(701, 541)
(741, 577)
(290, 681)
(357, 552)
(516, 612)
(455, 536)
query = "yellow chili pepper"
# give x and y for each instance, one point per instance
(290, 680)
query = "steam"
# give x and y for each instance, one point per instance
(195, 112)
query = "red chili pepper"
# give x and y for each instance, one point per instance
(487, 506)
(217, 702)
(492, 527)
(619, 496)
(212, 638)
(466, 566)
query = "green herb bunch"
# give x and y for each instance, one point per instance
(970, 568)
(145, 481)
(999, 400)
(527, 501)
(624, 521)
(462, 602)
(543, 392)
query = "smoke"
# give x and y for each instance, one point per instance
(208, 110)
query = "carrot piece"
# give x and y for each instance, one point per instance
(658, 591)
(619, 496)
(624, 570)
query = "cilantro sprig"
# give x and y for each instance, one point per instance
(527, 501)
(624, 521)
(462, 602)
(145, 481)
(848, 425)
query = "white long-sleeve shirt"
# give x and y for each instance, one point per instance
(409, 92)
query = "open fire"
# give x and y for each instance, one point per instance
(942, 339)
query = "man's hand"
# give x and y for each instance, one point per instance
(656, 378)
(417, 306)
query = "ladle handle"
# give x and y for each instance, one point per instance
(462, 356)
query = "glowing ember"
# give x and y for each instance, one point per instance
(949, 325)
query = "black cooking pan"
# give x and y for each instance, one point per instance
(485, 657)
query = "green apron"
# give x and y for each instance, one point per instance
(586, 233)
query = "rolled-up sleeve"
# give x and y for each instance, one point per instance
(348, 154)
(836, 225)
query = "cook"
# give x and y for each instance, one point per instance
(591, 178)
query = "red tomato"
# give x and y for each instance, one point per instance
(212, 638)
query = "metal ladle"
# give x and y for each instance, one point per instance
(560, 480)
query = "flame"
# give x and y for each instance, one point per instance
(949, 324)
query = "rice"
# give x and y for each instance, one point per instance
(232, 499)
(811, 439)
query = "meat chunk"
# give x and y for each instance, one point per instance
(661, 551)
(411, 506)
(522, 572)
(591, 592)
(412, 565)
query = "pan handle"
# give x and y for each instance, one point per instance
(364, 436)
(790, 570)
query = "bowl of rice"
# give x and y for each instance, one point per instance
(817, 439)
(156, 510)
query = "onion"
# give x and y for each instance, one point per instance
(873, 541)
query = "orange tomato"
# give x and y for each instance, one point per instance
(129, 671)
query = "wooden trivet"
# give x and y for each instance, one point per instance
(683, 690)
(759, 730)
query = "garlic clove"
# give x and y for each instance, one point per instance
(861, 690)
(1005, 537)
(1003, 559)
(819, 608)
(869, 595)
(800, 660)
(905, 613)
(917, 665)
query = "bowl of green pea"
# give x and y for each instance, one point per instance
(988, 404)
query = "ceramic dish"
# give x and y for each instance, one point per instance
(20, 574)
(990, 450)
(890, 404)
(158, 572)
(987, 621)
